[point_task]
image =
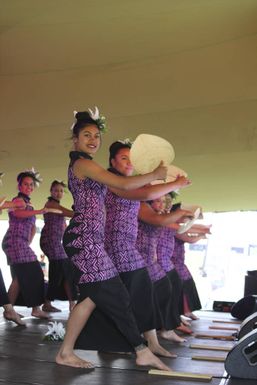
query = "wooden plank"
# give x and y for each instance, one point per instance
(223, 328)
(182, 375)
(227, 322)
(215, 337)
(209, 358)
(210, 347)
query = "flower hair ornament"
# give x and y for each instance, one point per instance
(32, 174)
(100, 120)
(126, 141)
(56, 332)
(1, 176)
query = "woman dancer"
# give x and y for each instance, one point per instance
(60, 276)
(100, 287)
(9, 312)
(28, 279)
(120, 240)
(190, 299)
(165, 247)
(149, 228)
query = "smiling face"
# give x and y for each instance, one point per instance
(121, 162)
(57, 191)
(88, 140)
(27, 186)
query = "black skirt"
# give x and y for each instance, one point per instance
(4, 300)
(60, 272)
(163, 303)
(140, 289)
(191, 294)
(31, 282)
(112, 326)
(176, 295)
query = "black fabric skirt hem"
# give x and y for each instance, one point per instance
(61, 271)
(4, 300)
(191, 294)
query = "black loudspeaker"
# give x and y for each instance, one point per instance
(248, 325)
(241, 361)
(244, 307)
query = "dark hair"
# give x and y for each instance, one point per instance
(83, 119)
(29, 174)
(176, 206)
(114, 148)
(56, 182)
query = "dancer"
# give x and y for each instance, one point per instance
(149, 228)
(61, 283)
(190, 299)
(102, 294)
(9, 313)
(120, 240)
(165, 247)
(28, 279)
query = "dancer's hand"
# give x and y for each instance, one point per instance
(160, 172)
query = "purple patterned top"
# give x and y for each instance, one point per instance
(165, 247)
(147, 239)
(51, 236)
(86, 228)
(178, 258)
(121, 232)
(18, 237)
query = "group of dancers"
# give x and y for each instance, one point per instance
(119, 262)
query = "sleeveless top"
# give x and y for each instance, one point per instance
(178, 258)
(51, 235)
(121, 231)
(147, 239)
(84, 237)
(18, 236)
(165, 247)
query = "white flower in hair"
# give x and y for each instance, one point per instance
(1, 176)
(126, 141)
(94, 114)
(36, 176)
(56, 332)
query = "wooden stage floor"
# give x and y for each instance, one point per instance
(26, 359)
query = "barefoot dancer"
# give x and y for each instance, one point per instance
(9, 312)
(120, 241)
(101, 290)
(149, 228)
(61, 283)
(28, 279)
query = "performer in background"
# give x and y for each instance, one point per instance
(61, 284)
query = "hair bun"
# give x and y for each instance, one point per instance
(82, 115)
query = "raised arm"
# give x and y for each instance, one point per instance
(148, 215)
(55, 205)
(84, 168)
(151, 192)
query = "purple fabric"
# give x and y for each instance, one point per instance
(147, 239)
(51, 236)
(17, 239)
(84, 237)
(178, 258)
(165, 247)
(121, 232)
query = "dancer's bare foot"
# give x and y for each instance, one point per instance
(184, 329)
(185, 321)
(171, 336)
(38, 313)
(48, 308)
(192, 316)
(146, 358)
(11, 315)
(160, 351)
(72, 360)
